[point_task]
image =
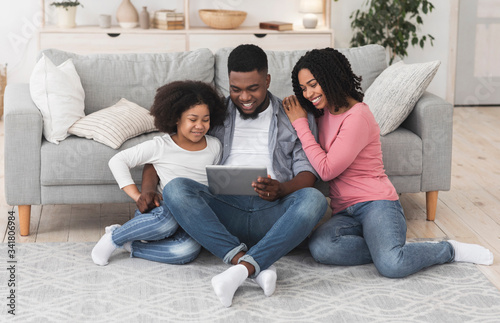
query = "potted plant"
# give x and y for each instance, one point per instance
(66, 13)
(392, 24)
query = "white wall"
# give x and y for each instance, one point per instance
(437, 23)
(20, 20)
(19, 24)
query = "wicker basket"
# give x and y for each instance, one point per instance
(222, 19)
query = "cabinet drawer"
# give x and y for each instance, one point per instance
(87, 43)
(275, 41)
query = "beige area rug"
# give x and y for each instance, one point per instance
(58, 282)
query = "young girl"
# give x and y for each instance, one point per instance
(368, 224)
(184, 111)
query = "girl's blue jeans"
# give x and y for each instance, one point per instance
(156, 236)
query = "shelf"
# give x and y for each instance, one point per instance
(113, 30)
(93, 39)
(198, 30)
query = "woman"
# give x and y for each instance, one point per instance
(368, 224)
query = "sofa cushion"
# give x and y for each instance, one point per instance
(114, 125)
(368, 61)
(106, 78)
(402, 153)
(395, 92)
(79, 161)
(58, 94)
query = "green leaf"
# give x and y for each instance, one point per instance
(390, 23)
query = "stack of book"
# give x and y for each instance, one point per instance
(168, 19)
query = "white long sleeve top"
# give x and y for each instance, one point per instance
(169, 160)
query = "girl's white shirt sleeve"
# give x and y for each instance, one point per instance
(170, 161)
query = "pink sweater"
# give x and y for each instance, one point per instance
(349, 156)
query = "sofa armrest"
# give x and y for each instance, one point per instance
(432, 121)
(23, 138)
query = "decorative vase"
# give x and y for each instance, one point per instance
(144, 18)
(66, 17)
(127, 15)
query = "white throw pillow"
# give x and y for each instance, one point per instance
(396, 90)
(114, 125)
(58, 93)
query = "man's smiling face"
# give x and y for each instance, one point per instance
(248, 91)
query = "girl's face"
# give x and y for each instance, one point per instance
(311, 90)
(193, 124)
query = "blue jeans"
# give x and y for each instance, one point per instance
(165, 241)
(228, 224)
(375, 231)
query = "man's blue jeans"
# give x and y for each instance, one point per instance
(163, 240)
(228, 224)
(375, 231)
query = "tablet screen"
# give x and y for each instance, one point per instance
(233, 180)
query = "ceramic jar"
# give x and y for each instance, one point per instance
(127, 15)
(144, 18)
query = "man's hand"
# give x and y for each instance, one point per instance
(149, 198)
(268, 189)
(148, 201)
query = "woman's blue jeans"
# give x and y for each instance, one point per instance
(156, 236)
(228, 224)
(375, 231)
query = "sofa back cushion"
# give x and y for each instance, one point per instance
(106, 78)
(368, 61)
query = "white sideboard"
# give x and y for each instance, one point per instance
(92, 39)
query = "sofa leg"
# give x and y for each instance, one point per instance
(431, 200)
(24, 219)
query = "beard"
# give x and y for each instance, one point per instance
(255, 114)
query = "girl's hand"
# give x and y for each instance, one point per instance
(293, 109)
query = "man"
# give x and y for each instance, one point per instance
(251, 232)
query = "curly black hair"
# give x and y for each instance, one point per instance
(172, 99)
(247, 58)
(333, 72)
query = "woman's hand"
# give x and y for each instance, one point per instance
(293, 109)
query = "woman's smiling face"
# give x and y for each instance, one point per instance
(311, 90)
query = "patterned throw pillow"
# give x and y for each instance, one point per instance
(395, 92)
(114, 125)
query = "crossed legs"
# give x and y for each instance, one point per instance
(225, 225)
(154, 236)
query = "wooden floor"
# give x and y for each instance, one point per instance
(469, 212)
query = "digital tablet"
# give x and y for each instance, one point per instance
(233, 180)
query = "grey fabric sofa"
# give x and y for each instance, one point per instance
(417, 155)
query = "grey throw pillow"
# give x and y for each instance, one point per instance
(396, 90)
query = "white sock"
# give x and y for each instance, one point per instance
(225, 284)
(127, 246)
(474, 253)
(104, 247)
(267, 280)
(111, 228)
